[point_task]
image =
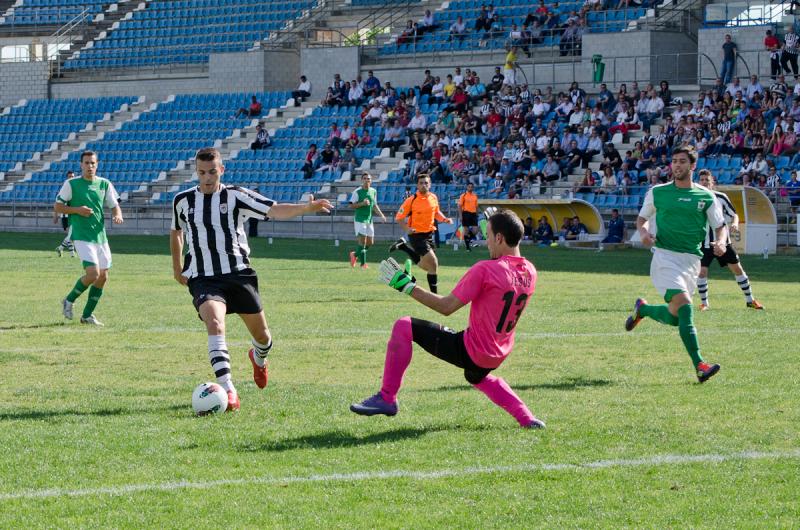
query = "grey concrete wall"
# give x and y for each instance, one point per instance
(749, 41)
(228, 72)
(23, 81)
(319, 65)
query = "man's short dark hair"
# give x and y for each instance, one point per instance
(87, 153)
(688, 151)
(423, 176)
(507, 223)
(614, 210)
(707, 173)
(208, 154)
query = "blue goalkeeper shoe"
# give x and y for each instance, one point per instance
(635, 318)
(374, 405)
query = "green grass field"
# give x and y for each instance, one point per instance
(97, 429)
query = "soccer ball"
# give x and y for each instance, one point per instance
(209, 398)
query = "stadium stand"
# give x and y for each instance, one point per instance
(156, 142)
(510, 13)
(33, 127)
(50, 12)
(187, 31)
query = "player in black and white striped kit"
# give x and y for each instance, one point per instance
(730, 258)
(211, 218)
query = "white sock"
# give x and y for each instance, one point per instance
(220, 361)
(702, 288)
(261, 351)
(744, 285)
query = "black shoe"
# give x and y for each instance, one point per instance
(397, 245)
(706, 371)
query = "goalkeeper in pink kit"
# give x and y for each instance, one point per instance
(498, 289)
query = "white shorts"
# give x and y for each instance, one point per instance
(94, 254)
(674, 270)
(509, 77)
(364, 229)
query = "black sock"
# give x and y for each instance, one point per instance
(410, 251)
(433, 282)
(467, 239)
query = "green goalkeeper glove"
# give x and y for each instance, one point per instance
(394, 276)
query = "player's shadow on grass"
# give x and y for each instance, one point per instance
(56, 414)
(10, 327)
(338, 439)
(569, 384)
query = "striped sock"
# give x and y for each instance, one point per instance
(744, 285)
(220, 361)
(260, 351)
(702, 288)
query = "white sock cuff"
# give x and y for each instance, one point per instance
(217, 343)
(741, 278)
(257, 344)
(702, 281)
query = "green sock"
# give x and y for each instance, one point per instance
(362, 255)
(94, 296)
(659, 313)
(76, 291)
(689, 333)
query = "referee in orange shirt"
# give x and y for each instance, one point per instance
(468, 209)
(417, 214)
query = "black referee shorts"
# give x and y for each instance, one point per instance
(421, 243)
(469, 219)
(238, 291)
(447, 345)
(729, 258)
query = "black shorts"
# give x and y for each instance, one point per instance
(447, 345)
(729, 258)
(469, 219)
(239, 291)
(421, 243)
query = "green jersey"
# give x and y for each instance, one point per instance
(95, 194)
(682, 216)
(364, 213)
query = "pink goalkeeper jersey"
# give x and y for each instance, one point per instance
(499, 291)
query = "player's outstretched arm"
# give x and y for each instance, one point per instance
(287, 211)
(644, 232)
(400, 278)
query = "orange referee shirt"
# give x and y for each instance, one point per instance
(421, 210)
(468, 202)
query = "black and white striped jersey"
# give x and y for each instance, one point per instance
(213, 225)
(728, 212)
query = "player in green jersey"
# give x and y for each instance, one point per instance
(83, 199)
(682, 211)
(364, 201)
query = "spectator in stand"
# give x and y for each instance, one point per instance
(427, 84)
(374, 115)
(605, 99)
(348, 161)
(729, 52)
(608, 184)
(393, 137)
(773, 46)
(509, 76)
(498, 186)
(428, 23)
(791, 47)
(533, 33)
(409, 34)
(568, 40)
(437, 91)
(793, 193)
(334, 137)
(476, 90)
(372, 86)
(303, 91)
(331, 98)
(576, 229)
(460, 100)
(356, 93)
(327, 159)
(544, 232)
(517, 38)
(616, 228)
(497, 81)
(586, 184)
(417, 124)
(262, 138)
(253, 111)
(458, 30)
(311, 161)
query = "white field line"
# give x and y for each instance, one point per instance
(361, 476)
(360, 331)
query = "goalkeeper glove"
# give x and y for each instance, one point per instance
(397, 277)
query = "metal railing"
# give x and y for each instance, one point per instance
(63, 37)
(745, 13)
